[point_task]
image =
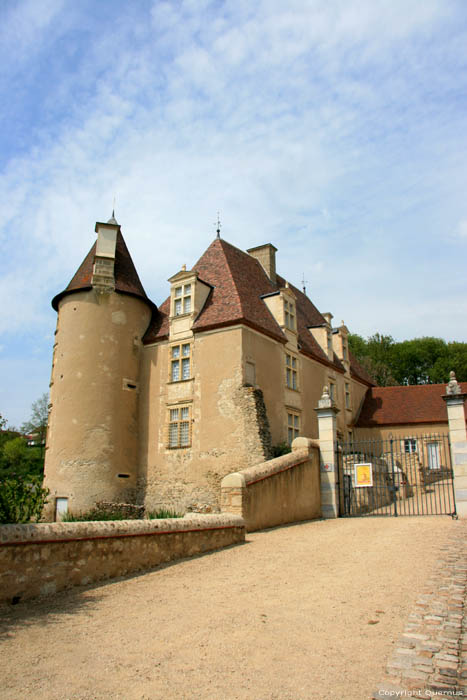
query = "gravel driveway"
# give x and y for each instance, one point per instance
(302, 612)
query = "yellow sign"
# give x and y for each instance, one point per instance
(363, 475)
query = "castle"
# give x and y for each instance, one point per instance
(155, 405)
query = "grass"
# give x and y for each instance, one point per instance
(163, 513)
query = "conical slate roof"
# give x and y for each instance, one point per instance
(126, 277)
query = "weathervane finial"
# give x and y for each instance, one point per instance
(304, 281)
(218, 226)
(112, 219)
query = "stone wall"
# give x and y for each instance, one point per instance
(257, 435)
(281, 490)
(45, 558)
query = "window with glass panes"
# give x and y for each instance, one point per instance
(179, 427)
(291, 372)
(182, 300)
(289, 315)
(347, 395)
(293, 427)
(180, 362)
(410, 445)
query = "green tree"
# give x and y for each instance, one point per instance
(16, 458)
(22, 499)
(22, 496)
(424, 360)
(375, 356)
(454, 358)
(37, 424)
(413, 360)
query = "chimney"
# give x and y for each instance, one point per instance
(103, 276)
(266, 256)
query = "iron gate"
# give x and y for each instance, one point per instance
(408, 475)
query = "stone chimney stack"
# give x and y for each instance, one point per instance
(103, 274)
(266, 256)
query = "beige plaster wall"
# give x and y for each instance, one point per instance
(45, 558)
(93, 423)
(401, 431)
(281, 490)
(268, 357)
(224, 433)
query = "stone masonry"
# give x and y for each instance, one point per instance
(430, 660)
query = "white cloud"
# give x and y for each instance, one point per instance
(462, 228)
(331, 129)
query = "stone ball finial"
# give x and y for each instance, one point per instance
(453, 386)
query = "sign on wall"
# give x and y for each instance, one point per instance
(363, 474)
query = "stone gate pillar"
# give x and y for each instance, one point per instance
(327, 428)
(455, 400)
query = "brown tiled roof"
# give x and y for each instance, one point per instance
(308, 316)
(359, 372)
(126, 277)
(239, 282)
(400, 405)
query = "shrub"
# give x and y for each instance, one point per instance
(283, 448)
(115, 511)
(22, 499)
(97, 513)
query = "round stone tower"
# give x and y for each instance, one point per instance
(92, 438)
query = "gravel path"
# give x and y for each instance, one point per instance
(302, 612)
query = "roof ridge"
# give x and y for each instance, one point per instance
(412, 386)
(221, 242)
(257, 263)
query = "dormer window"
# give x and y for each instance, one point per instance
(289, 315)
(182, 300)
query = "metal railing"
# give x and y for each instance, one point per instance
(403, 475)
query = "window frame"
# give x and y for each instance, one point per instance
(290, 315)
(183, 296)
(291, 372)
(180, 422)
(348, 404)
(410, 446)
(293, 425)
(180, 362)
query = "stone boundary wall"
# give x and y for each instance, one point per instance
(430, 660)
(44, 558)
(279, 491)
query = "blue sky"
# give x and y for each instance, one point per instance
(335, 129)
